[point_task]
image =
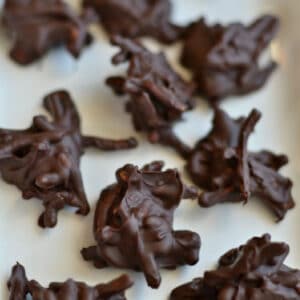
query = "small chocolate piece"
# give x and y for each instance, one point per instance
(36, 26)
(20, 288)
(254, 271)
(157, 95)
(221, 164)
(134, 219)
(225, 59)
(137, 18)
(43, 160)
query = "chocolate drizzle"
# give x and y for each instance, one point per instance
(157, 95)
(254, 271)
(222, 165)
(134, 219)
(137, 18)
(37, 26)
(225, 59)
(43, 160)
(20, 288)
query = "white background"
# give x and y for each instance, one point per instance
(54, 255)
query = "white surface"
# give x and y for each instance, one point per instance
(54, 255)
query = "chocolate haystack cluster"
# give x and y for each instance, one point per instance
(36, 26)
(158, 96)
(137, 18)
(43, 160)
(133, 223)
(20, 288)
(222, 164)
(254, 271)
(225, 59)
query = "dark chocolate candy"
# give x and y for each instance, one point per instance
(43, 160)
(225, 59)
(137, 18)
(254, 271)
(221, 164)
(158, 96)
(20, 288)
(36, 26)
(134, 219)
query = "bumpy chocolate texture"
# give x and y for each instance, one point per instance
(20, 288)
(221, 164)
(225, 59)
(134, 219)
(254, 271)
(36, 26)
(43, 160)
(136, 18)
(157, 95)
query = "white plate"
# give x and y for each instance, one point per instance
(54, 255)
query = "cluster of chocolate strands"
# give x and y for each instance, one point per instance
(137, 211)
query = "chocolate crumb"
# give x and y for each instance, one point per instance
(158, 96)
(43, 161)
(222, 165)
(20, 288)
(137, 18)
(254, 271)
(225, 59)
(134, 219)
(36, 26)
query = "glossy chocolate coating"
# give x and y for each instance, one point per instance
(20, 288)
(254, 271)
(225, 59)
(158, 96)
(221, 164)
(134, 219)
(43, 161)
(137, 18)
(37, 26)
